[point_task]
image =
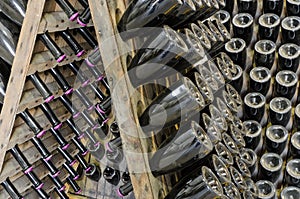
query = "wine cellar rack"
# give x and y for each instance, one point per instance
(32, 57)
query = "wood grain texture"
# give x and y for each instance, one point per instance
(19, 71)
(125, 107)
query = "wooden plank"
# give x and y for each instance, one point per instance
(44, 60)
(145, 185)
(58, 21)
(19, 71)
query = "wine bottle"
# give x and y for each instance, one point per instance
(68, 104)
(140, 14)
(75, 129)
(42, 193)
(104, 106)
(260, 80)
(88, 37)
(70, 161)
(74, 185)
(250, 158)
(111, 175)
(84, 17)
(59, 138)
(91, 170)
(290, 30)
(270, 166)
(125, 189)
(253, 134)
(50, 166)
(57, 182)
(273, 6)
(41, 148)
(246, 6)
(232, 191)
(189, 144)
(51, 116)
(294, 150)
(243, 27)
(156, 57)
(84, 99)
(32, 123)
(254, 106)
(264, 53)
(79, 145)
(114, 144)
(125, 177)
(84, 3)
(68, 9)
(7, 44)
(62, 82)
(280, 111)
(71, 41)
(182, 14)
(86, 116)
(114, 129)
(292, 176)
(179, 102)
(52, 47)
(288, 57)
(224, 17)
(201, 184)
(26, 167)
(79, 74)
(11, 189)
(236, 50)
(61, 194)
(269, 25)
(202, 36)
(293, 8)
(266, 189)
(41, 87)
(14, 9)
(242, 167)
(290, 191)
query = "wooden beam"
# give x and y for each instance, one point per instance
(19, 70)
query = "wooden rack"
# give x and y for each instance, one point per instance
(31, 57)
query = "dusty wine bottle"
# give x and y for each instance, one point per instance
(51, 167)
(111, 175)
(79, 145)
(73, 174)
(74, 185)
(41, 87)
(62, 82)
(84, 17)
(71, 41)
(189, 144)
(11, 189)
(57, 182)
(69, 159)
(52, 47)
(79, 74)
(188, 102)
(32, 123)
(68, 104)
(41, 148)
(68, 9)
(88, 37)
(59, 138)
(203, 184)
(125, 189)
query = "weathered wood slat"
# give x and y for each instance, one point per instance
(18, 73)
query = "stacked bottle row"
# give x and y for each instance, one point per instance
(271, 93)
(97, 129)
(198, 99)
